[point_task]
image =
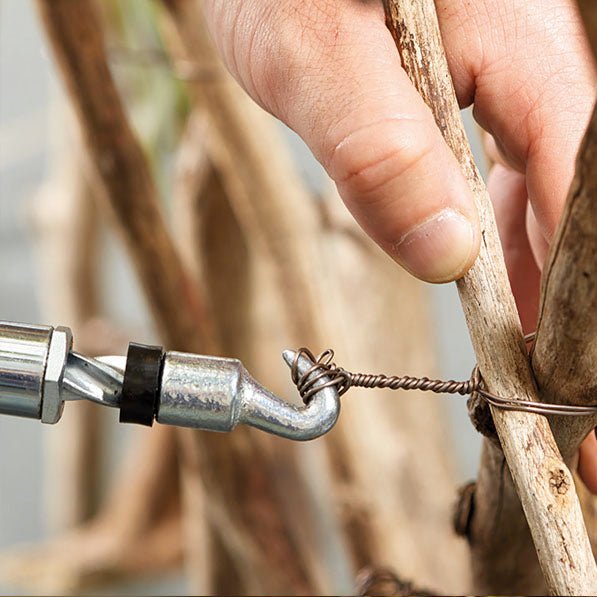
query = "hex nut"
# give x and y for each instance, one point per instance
(52, 403)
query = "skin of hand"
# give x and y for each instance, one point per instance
(330, 70)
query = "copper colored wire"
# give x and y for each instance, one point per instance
(324, 369)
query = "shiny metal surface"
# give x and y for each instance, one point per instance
(217, 394)
(267, 412)
(23, 358)
(52, 403)
(38, 372)
(116, 362)
(93, 379)
(200, 391)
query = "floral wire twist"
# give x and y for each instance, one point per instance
(324, 373)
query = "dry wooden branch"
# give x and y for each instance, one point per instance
(235, 484)
(232, 463)
(541, 478)
(242, 145)
(242, 142)
(193, 172)
(411, 536)
(66, 226)
(216, 252)
(378, 583)
(252, 174)
(132, 536)
(75, 32)
(123, 173)
(565, 349)
(423, 548)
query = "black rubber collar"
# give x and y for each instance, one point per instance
(141, 385)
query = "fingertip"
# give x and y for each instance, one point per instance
(440, 249)
(403, 184)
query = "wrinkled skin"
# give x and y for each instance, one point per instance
(330, 70)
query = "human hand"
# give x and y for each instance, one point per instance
(330, 70)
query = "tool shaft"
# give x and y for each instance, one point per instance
(23, 360)
(39, 372)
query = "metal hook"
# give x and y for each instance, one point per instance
(39, 372)
(212, 393)
(267, 412)
(218, 394)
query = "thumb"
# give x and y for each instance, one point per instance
(334, 76)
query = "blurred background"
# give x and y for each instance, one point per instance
(30, 112)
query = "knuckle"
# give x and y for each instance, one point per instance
(372, 158)
(287, 58)
(278, 49)
(244, 33)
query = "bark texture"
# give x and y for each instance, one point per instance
(564, 354)
(565, 350)
(540, 477)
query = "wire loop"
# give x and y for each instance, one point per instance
(343, 380)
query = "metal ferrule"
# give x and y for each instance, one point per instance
(199, 391)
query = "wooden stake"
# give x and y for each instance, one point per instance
(541, 478)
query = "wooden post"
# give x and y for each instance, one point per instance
(541, 478)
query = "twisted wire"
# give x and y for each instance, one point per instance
(324, 373)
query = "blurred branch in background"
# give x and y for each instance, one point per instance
(65, 227)
(175, 302)
(237, 259)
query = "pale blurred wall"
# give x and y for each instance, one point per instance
(27, 84)
(23, 94)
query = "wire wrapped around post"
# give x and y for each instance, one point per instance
(343, 380)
